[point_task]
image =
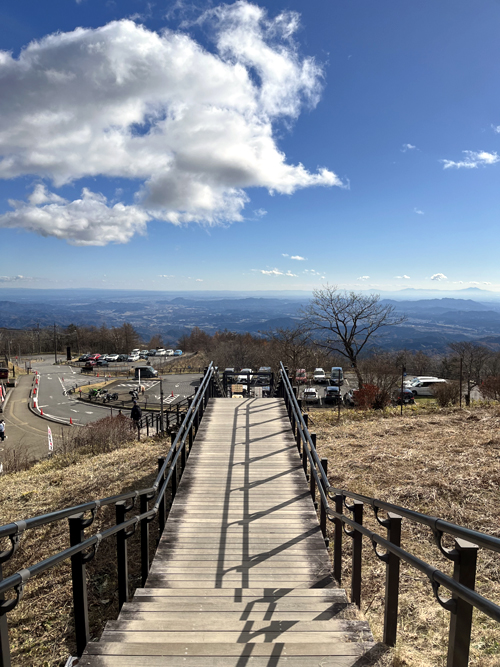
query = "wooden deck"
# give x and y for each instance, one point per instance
(242, 575)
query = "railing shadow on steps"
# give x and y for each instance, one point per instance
(464, 555)
(82, 549)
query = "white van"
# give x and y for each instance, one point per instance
(426, 388)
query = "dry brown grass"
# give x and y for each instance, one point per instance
(41, 628)
(441, 462)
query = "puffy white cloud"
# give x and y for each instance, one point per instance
(199, 280)
(85, 221)
(290, 274)
(473, 159)
(402, 277)
(272, 272)
(192, 127)
(285, 254)
(439, 276)
(418, 211)
(298, 258)
(496, 129)
(408, 147)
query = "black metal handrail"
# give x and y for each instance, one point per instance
(82, 549)
(464, 597)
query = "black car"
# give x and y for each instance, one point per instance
(84, 357)
(102, 362)
(122, 357)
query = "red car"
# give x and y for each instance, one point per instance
(94, 357)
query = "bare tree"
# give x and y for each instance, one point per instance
(291, 345)
(345, 321)
(474, 358)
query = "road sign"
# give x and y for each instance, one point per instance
(51, 442)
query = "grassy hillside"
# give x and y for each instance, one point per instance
(41, 628)
(445, 463)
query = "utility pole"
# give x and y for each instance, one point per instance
(55, 342)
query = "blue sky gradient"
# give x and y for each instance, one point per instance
(408, 89)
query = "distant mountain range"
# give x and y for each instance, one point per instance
(431, 322)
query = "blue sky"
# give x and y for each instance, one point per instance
(273, 145)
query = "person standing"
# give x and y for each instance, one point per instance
(2, 430)
(136, 415)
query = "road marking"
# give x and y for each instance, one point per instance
(89, 413)
(75, 410)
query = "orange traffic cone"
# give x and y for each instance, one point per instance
(41, 411)
(70, 420)
(36, 381)
(172, 394)
(34, 391)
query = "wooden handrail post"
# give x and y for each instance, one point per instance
(337, 544)
(357, 546)
(464, 571)
(144, 540)
(79, 580)
(312, 479)
(162, 509)
(392, 581)
(304, 447)
(322, 511)
(121, 554)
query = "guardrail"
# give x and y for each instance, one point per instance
(82, 549)
(464, 555)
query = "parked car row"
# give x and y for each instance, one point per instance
(336, 378)
(135, 355)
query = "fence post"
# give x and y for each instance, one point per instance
(299, 435)
(190, 439)
(337, 544)
(183, 454)
(174, 473)
(357, 546)
(322, 511)
(392, 581)
(304, 447)
(312, 479)
(4, 633)
(464, 571)
(79, 579)
(162, 508)
(144, 540)
(121, 554)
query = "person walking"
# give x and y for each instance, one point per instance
(136, 415)
(2, 430)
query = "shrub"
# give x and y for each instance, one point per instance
(447, 394)
(490, 387)
(371, 397)
(100, 437)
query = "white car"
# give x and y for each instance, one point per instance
(161, 352)
(112, 357)
(135, 351)
(319, 376)
(169, 353)
(419, 378)
(426, 388)
(133, 357)
(310, 395)
(243, 379)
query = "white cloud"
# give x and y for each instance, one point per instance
(408, 147)
(298, 258)
(285, 254)
(439, 276)
(272, 272)
(418, 211)
(364, 278)
(486, 283)
(193, 128)
(165, 276)
(260, 213)
(403, 277)
(473, 159)
(290, 274)
(496, 129)
(13, 279)
(199, 280)
(85, 221)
